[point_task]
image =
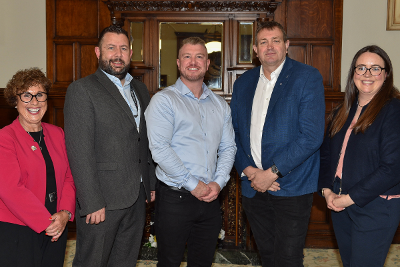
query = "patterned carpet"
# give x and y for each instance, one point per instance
(312, 258)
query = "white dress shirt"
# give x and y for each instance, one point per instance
(259, 110)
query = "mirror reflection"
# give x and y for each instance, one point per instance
(245, 42)
(137, 41)
(171, 36)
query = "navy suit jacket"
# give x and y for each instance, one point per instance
(371, 162)
(293, 129)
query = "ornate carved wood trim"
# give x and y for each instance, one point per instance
(193, 6)
(117, 7)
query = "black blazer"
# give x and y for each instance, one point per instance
(106, 152)
(371, 165)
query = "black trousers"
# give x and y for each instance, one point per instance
(20, 246)
(183, 219)
(279, 225)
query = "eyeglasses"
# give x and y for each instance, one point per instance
(375, 71)
(27, 97)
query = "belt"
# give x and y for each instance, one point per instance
(182, 190)
(51, 197)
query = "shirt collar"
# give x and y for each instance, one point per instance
(274, 74)
(117, 81)
(184, 90)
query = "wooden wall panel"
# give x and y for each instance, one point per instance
(314, 21)
(64, 68)
(88, 60)
(298, 52)
(75, 18)
(8, 113)
(322, 60)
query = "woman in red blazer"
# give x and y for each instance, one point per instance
(37, 191)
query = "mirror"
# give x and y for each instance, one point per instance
(245, 42)
(137, 41)
(171, 36)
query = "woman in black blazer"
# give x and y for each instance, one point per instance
(360, 161)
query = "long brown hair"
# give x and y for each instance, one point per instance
(387, 92)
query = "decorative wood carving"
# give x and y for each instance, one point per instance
(193, 6)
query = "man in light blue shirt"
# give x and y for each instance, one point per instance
(192, 140)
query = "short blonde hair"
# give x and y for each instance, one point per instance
(193, 41)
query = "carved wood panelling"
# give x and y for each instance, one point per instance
(298, 52)
(322, 60)
(64, 68)
(75, 18)
(193, 6)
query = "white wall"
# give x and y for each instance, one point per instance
(22, 36)
(364, 23)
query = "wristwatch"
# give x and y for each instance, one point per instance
(275, 170)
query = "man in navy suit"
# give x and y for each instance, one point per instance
(278, 113)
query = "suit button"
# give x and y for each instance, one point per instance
(140, 161)
(138, 139)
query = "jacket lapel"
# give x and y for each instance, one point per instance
(114, 92)
(280, 87)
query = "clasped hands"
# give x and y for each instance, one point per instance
(57, 226)
(206, 192)
(337, 202)
(262, 180)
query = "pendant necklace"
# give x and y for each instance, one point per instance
(40, 139)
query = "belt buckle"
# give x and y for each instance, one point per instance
(53, 196)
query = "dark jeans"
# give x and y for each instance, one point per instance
(181, 218)
(365, 234)
(279, 225)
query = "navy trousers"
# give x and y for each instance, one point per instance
(365, 234)
(279, 225)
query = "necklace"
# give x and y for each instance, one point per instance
(40, 139)
(362, 105)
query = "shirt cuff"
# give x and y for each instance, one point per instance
(191, 183)
(220, 181)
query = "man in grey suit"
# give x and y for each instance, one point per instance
(107, 146)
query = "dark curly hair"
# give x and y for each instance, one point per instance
(22, 81)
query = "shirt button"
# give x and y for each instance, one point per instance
(140, 161)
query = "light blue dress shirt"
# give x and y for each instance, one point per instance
(191, 139)
(125, 91)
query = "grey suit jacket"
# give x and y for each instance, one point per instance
(107, 154)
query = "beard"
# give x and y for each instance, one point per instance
(106, 66)
(192, 78)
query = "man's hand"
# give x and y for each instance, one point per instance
(213, 195)
(152, 196)
(261, 180)
(96, 217)
(250, 170)
(201, 190)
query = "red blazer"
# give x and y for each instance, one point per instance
(23, 176)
